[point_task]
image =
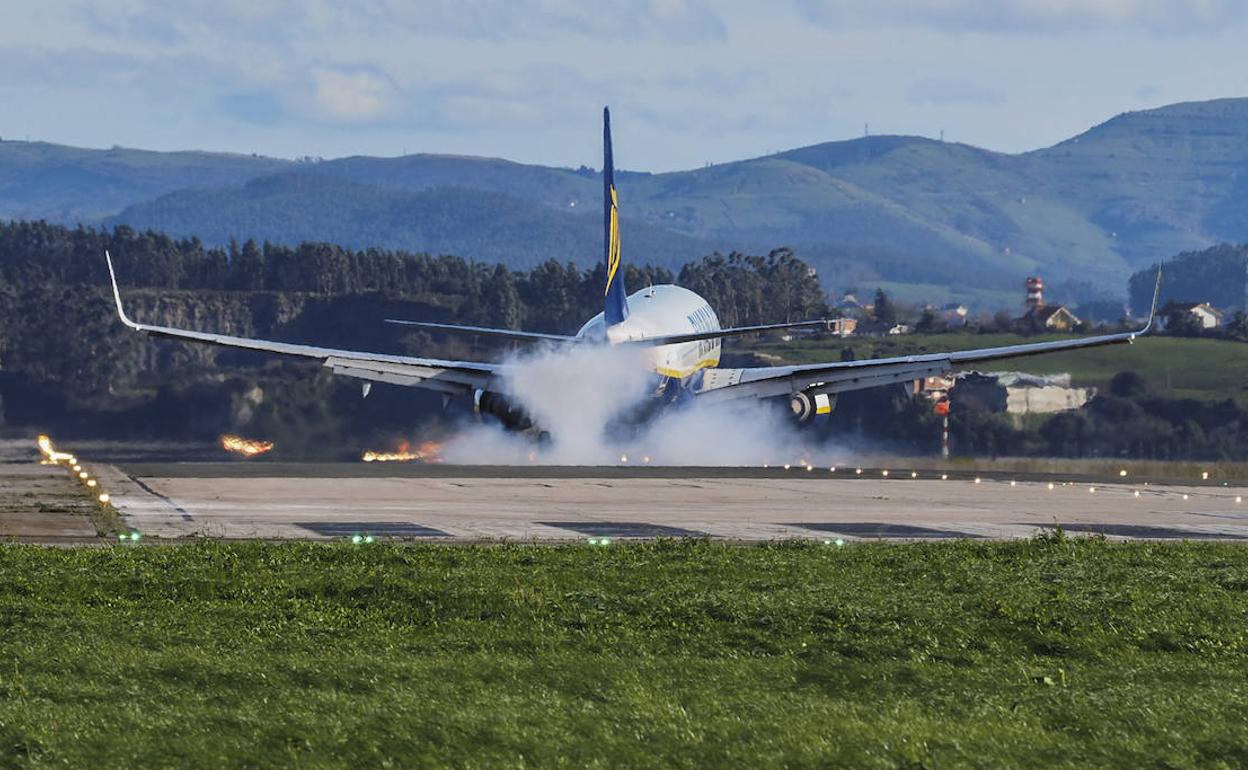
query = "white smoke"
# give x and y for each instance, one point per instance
(576, 392)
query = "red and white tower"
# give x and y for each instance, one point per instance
(1035, 293)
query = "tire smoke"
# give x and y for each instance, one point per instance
(585, 395)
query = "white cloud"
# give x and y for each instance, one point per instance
(952, 91)
(1031, 16)
(689, 81)
(672, 20)
(352, 96)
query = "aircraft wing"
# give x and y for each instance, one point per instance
(453, 377)
(656, 341)
(487, 331)
(837, 377)
(732, 331)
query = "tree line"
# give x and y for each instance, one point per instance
(553, 296)
(1215, 275)
(66, 361)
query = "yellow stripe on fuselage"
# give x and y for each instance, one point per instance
(680, 374)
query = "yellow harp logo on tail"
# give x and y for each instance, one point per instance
(613, 249)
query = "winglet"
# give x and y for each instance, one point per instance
(1152, 313)
(117, 294)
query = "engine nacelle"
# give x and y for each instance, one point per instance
(510, 414)
(806, 405)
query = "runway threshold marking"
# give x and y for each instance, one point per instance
(622, 529)
(880, 530)
(379, 528)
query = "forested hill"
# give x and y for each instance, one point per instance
(441, 220)
(1217, 275)
(71, 185)
(1089, 210)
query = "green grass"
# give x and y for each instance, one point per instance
(1173, 366)
(1045, 653)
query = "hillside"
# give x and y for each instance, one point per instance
(70, 185)
(1085, 213)
(1159, 181)
(443, 220)
(1217, 275)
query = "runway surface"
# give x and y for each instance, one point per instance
(492, 503)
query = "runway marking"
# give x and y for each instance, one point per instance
(622, 529)
(186, 515)
(881, 530)
(1231, 516)
(380, 528)
(1145, 531)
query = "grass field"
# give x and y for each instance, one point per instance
(1048, 653)
(1173, 366)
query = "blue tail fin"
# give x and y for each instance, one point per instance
(615, 308)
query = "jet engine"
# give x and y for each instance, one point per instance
(509, 413)
(806, 405)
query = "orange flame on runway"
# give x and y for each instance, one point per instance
(428, 452)
(246, 447)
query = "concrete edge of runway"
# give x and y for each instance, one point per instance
(351, 470)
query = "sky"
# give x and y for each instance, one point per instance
(690, 82)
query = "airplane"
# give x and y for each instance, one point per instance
(676, 330)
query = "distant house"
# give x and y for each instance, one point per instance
(843, 327)
(900, 329)
(1057, 318)
(935, 387)
(1208, 316)
(848, 304)
(954, 314)
(1189, 317)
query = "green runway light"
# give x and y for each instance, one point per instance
(839, 542)
(135, 536)
(369, 538)
(121, 536)
(357, 539)
(599, 541)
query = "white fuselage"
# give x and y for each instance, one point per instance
(660, 311)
